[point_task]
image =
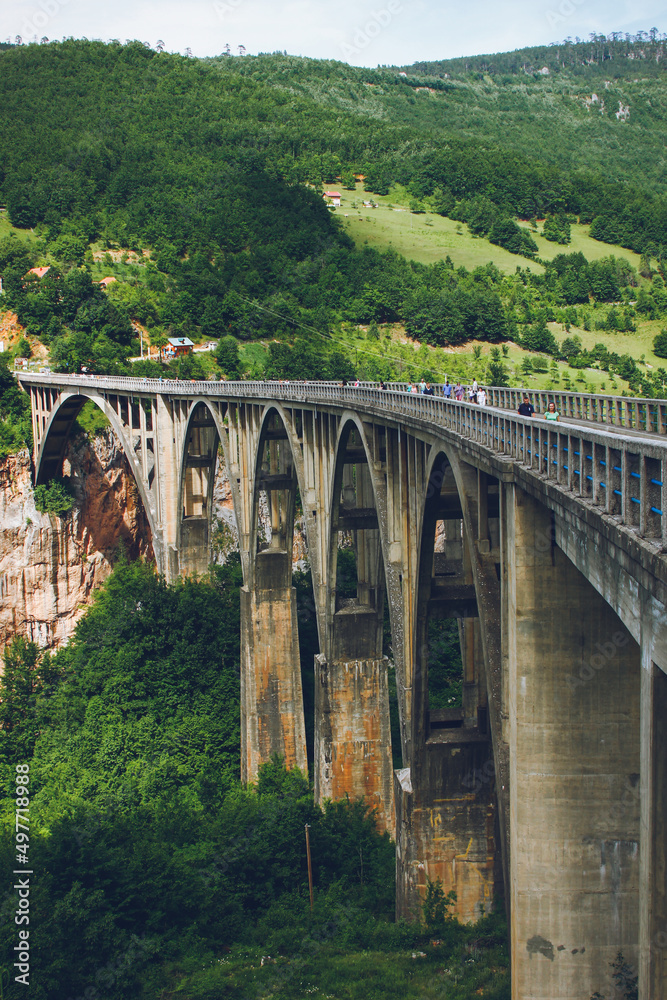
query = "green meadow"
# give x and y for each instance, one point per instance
(426, 237)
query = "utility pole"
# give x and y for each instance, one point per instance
(310, 867)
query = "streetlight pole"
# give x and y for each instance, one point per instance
(310, 867)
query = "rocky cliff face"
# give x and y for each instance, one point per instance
(49, 566)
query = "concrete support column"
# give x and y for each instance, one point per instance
(352, 723)
(475, 702)
(445, 818)
(653, 959)
(574, 728)
(167, 472)
(272, 719)
(353, 735)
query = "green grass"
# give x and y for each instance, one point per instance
(253, 357)
(582, 243)
(91, 420)
(428, 238)
(634, 344)
(339, 971)
(6, 228)
(425, 238)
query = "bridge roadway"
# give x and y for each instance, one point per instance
(545, 541)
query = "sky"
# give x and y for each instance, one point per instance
(360, 32)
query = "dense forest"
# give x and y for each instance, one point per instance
(158, 871)
(207, 173)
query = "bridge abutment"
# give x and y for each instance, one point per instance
(575, 742)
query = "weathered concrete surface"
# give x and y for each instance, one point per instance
(574, 730)
(272, 719)
(654, 785)
(353, 735)
(445, 821)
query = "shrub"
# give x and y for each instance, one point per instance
(227, 355)
(505, 233)
(23, 348)
(539, 338)
(54, 498)
(436, 906)
(557, 229)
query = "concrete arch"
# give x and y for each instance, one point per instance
(50, 458)
(272, 713)
(351, 421)
(221, 440)
(448, 743)
(297, 463)
(353, 753)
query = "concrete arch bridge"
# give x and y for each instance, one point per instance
(545, 541)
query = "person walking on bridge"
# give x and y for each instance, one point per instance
(526, 409)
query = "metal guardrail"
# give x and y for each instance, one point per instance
(625, 475)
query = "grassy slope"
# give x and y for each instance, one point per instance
(427, 238)
(6, 228)
(424, 238)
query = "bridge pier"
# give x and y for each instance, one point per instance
(353, 754)
(272, 719)
(445, 805)
(653, 961)
(352, 728)
(575, 741)
(445, 825)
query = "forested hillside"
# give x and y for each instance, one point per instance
(205, 177)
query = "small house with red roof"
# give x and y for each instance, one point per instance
(39, 271)
(332, 198)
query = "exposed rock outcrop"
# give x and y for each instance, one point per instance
(49, 566)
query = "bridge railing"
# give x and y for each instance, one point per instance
(625, 474)
(631, 412)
